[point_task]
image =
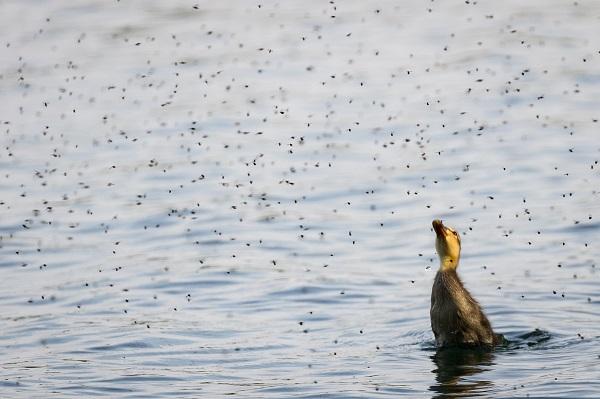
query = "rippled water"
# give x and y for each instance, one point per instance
(218, 198)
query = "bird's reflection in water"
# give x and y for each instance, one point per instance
(453, 364)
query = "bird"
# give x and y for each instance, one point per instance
(457, 319)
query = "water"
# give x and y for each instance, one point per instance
(235, 198)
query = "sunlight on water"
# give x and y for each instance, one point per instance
(218, 198)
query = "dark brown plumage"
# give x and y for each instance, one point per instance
(456, 317)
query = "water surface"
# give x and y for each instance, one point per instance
(235, 198)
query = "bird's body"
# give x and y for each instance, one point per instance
(456, 317)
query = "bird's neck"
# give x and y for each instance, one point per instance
(448, 263)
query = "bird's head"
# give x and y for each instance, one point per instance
(447, 245)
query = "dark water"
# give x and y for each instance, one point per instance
(235, 198)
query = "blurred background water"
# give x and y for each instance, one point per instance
(201, 199)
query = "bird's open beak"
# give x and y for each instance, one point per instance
(438, 226)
